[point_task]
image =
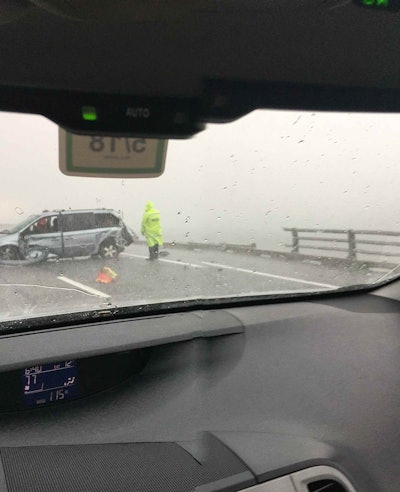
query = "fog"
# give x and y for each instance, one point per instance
(238, 183)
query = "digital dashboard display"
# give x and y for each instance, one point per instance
(49, 383)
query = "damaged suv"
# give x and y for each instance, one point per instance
(66, 234)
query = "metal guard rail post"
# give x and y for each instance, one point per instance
(351, 237)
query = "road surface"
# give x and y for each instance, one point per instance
(69, 285)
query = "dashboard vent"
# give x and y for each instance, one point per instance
(321, 479)
(326, 486)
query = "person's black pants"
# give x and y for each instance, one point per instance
(153, 252)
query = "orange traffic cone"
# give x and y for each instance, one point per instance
(103, 278)
(106, 275)
(110, 273)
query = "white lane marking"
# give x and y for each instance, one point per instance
(83, 287)
(134, 256)
(182, 263)
(48, 287)
(281, 277)
(162, 259)
(75, 259)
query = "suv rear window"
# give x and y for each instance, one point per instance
(78, 222)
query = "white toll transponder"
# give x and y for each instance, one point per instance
(83, 287)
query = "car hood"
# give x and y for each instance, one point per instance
(6, 238)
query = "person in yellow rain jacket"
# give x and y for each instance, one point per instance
(151, 229)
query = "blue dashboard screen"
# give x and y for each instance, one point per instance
(50, 383)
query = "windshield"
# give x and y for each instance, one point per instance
(276, 203)
(21, 225)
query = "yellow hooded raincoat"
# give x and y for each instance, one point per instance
(151, 226)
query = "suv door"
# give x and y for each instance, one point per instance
(78, 233)
(44, 233)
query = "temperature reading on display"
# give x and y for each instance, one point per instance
(49, 383)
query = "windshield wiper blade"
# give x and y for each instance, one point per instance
(389, 274)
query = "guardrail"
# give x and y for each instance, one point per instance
(351, 239)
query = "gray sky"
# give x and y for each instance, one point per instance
(240, 182)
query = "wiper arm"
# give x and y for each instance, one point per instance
(388, 274)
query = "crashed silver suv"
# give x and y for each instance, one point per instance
(66, 233)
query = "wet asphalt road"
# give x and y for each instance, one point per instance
(56, 287)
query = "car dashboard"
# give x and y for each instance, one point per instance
(224, 399)
(297, 394)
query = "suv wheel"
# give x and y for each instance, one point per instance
(108, 250)
(9, 253)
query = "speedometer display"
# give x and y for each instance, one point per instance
(49, 383)
(53, 383)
